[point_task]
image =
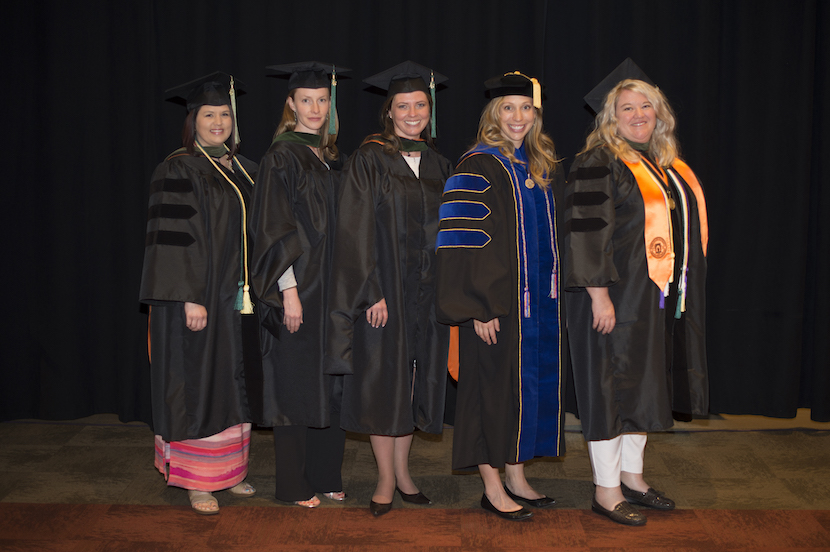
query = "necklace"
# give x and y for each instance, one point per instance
(224, 161)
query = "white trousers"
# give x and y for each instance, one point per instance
(611, 456)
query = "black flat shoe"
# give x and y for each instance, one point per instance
(543, 502)
(650, 498)
(518, 515)
(379, 509)
(417, 498)
(623, 513)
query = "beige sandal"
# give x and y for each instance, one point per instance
(242, 490)
(210, 506)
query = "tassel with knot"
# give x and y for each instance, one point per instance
(432, 93)
(333, 104)
(247, 304)
(232, 93)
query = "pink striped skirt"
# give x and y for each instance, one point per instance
(210, 464)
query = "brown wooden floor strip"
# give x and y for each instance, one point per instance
(115, 528)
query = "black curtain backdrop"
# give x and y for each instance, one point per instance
(84, 82)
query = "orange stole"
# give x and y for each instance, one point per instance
(452, 358)
(659, 248)
(690, 178)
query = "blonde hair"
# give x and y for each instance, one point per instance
(663, 144)
(327, 141)
(541, 153)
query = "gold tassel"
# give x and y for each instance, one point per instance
(232, 94)
(537, 93)
(247, 305)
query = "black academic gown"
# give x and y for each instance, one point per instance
(292, 221)
(623, 381)
(387, 221)
(510, 406)
(193, 254)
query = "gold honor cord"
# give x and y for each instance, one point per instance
(247, 305)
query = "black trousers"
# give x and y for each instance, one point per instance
(308, 460)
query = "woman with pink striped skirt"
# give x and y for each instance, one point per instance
(195, 279)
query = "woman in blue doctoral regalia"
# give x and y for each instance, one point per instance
(498, 266)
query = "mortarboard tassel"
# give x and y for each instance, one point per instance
(537, 93)
(232, 94)
(332, 104)
(432, 93)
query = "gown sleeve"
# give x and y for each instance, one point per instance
(273, 227)
(590, 221)
(177, 244)
(354, 285)
(475, 262)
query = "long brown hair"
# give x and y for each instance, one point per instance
(393, 142)
(327, 141)
(663, 144)
(539, 147)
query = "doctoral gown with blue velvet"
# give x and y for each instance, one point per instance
(497, 258)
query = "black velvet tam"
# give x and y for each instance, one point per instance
(509, 84)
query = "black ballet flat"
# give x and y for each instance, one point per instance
(543, 502)
(417, 498)
(379, 509)
(518, 515)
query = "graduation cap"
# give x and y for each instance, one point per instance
(311, 74)
(408, 77)
(515, 84)
(625, 70)
(307, 74)
(215, 89)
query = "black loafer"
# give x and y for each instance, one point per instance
(417, 498)
(543, 502)
(623, 513)
(379, 509)
(518, 515)
(650, 498)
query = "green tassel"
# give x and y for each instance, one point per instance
(333, 104)
(239, 303)
(678, 312)
(432, 93)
